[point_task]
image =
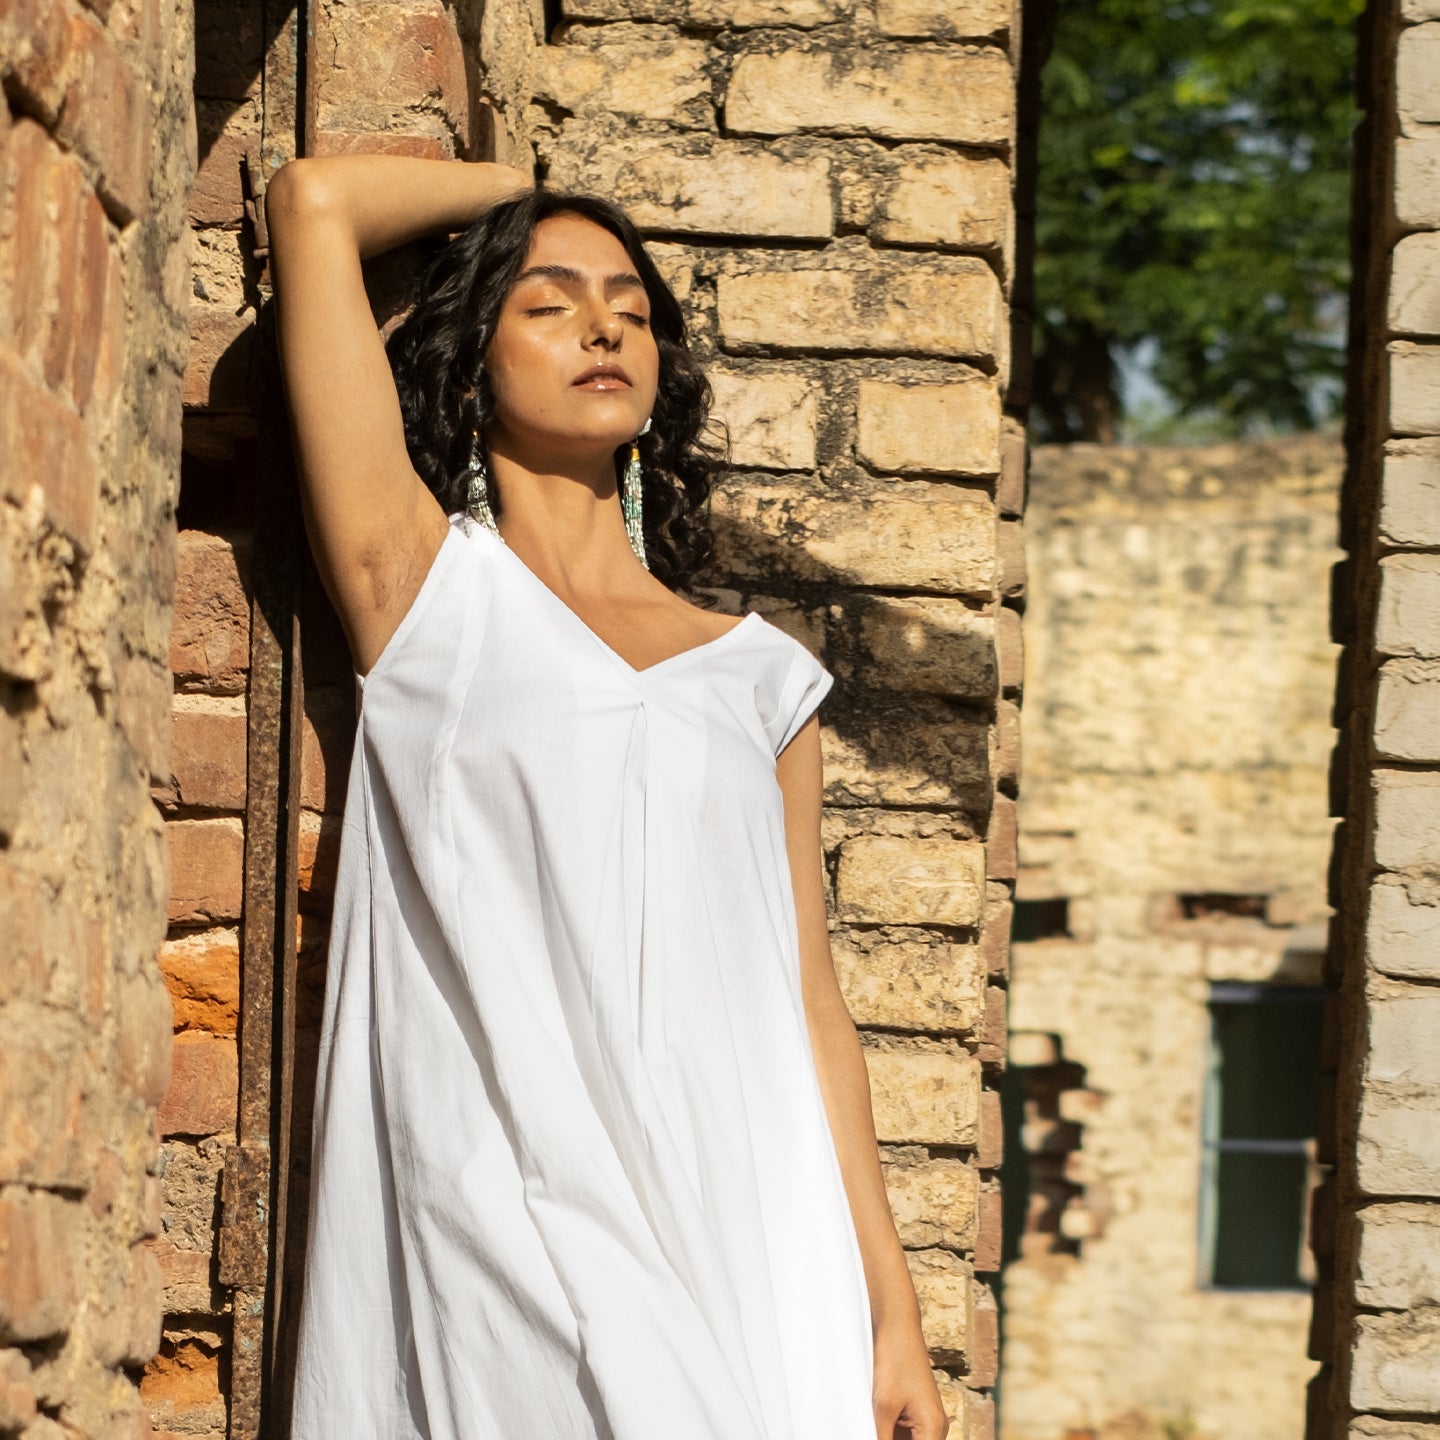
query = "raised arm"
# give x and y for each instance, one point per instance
(373, 525)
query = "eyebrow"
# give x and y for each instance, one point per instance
(570, 276)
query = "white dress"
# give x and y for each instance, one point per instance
(573, 1177)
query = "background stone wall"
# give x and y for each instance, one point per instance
(96, 155)
(1377, 1310)
(839, 225)
(1174, 834)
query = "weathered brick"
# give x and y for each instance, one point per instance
(1408, 618)
(891, 880)
(935, 646)
(1414, 389)
(204, 1086)
(924, 309)
(219, 373)
(326, 745)
(731, 14)
(771, 416)
(202, 973)
(909, 980)
(1402, 1032)
(651, 78)
(207, 861)
(989, 1238)
(143, 1044)
(990, 1140)
(984, 1353)
(1001, 860)
(42, 1263)
(912, 93)
(930, 199)
(208, 752)
(1396, 1363)
(226, 132)
(943, 1285)
(1009, 650)
(1399, 1264)
(945, 19)
(1417, 181)
(385, 142)
(17, 1391)
(924, 1097)
(229, 51)
(1398, 1145)
(48, 1081)
(142, 705)
(1008, 756)
(1417, 77)
(933, 1200)
(319, 860)
(1014, 452)
(1410, 493)
(949, 429)
(1407, 715)
(913, 536)
(1415, 285)
(210, 644)
(1402, 935)
(182, 1387)
(1407, 819)
(722, 187)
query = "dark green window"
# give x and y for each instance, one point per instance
(1262, 1096)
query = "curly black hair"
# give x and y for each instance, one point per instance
(437, 352)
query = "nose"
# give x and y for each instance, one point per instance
(603, 326)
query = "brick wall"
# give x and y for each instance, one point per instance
(840, 227)
(1377, 1326)
(96, 152)
(1176, 739)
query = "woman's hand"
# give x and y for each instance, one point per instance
(906, 1400)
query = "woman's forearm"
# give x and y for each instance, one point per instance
(845, 1086)
(387, 200)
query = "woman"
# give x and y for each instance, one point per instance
(593, 1145)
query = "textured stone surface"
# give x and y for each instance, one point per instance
(930, 429)
(1396, 1366)
(910, 980)
(890, 880)
(771, 416)
(1410, 493)
(1402, 936)
(924, 1096)
(1399, 1264)
(1407, 718)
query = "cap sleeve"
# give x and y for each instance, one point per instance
(805, 684)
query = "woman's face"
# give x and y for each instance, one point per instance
(573, 364)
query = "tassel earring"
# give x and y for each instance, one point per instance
(631, 504)
(477, 495)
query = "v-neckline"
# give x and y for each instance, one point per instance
(636, 671)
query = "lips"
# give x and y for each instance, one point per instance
(604, 377)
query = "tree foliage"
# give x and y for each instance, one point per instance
(1194, 176)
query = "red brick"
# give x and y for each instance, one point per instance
(983, 1355)
(1010, 492)
(207, 761)
(210, 641)
(42, 1252)
(1001, 840)
(990, 1151)
(35, 40)
(207, 865)
(63, 304)
(1007, 743)
(106, 117)
(185, 1376)
(144, 1048)
(995, 931)
(142, 705)
(32, 159)
(1010, 548)
(204, 1087)
(382, 142)
(23, 908)
(319, 856)
(991, 1209)
(47, 1118)
(1009, 650)
(202, 973)
(328, 740)
(993, 1032)
(99, 275)
(217, 196)
(219, 371)
(979, 1417)
(17, 1390)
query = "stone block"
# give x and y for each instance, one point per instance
(210, 644)
(990, 1143)
(989, 1238)
(943, 1285)
(1417, 76)
(910, 980)
(628, 73)
(226, 131)
(951, 429)
(895, 880)
(1410, 493)
(1414, 389)
(1414, 305)
(924, 1097)
(207, 861)
(721, 14)
(1402, 933)
(934, 1201)
(1374, 1427)
(1412, 12)
(1399, 1262)
(1009, 650)
(1001, 840)
(934, 199)
(928, 308)
(1417, 181)
(143, 1042)
(202, 974)
(1407, 713)
(142, 706)
(684, 186)
(942, 19)
(204, 1086)
(771, 416)
(1407, 819)
(219, 372)
(1398, 1145)
(912, 536)
(984, 1357)
(326, 745)
(42, 1264)
(1396, 1363)
(882, 748)
(1407, 620)
(965, 96)
(208, 752)
(1402, 1048)
(933, 646)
